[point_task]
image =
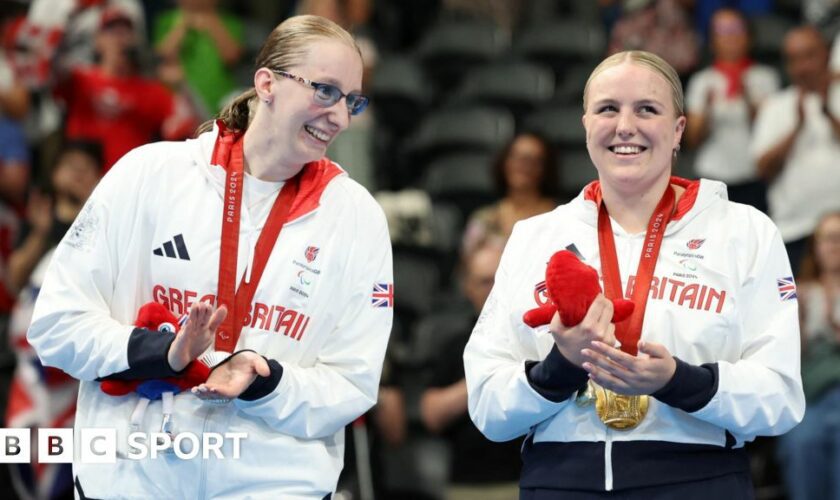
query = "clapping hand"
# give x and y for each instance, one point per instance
(596, 326)
(196, 335)
(233, 376)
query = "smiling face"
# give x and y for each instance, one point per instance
(297, 128)
(632, 127)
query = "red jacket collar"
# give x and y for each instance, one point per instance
(592, 192)
(314, 177)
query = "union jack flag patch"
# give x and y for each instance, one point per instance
(383, 295)
(787, 288)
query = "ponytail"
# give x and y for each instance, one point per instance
(235, 115)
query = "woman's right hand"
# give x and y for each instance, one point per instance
(596, 325)
(196, 335)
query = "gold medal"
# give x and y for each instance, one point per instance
(619, 411)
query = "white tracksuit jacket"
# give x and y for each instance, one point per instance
(720, 298)
(151, 231)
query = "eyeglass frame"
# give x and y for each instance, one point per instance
(319, 85)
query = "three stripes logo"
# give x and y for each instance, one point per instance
(175, 249)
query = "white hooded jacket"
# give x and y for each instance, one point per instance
(720, 301)
(151, 232)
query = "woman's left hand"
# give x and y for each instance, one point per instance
(233, 376)
(620, 372)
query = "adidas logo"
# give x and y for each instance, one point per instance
(169, 250)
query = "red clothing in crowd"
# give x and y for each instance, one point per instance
(119, 112)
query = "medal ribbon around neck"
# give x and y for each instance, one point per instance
(630, 331)
(228, 153)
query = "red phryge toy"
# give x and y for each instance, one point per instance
(572, 287)
(156, 317)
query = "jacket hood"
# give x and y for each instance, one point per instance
(699, 195)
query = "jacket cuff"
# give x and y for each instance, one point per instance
(263, 386)
(147, 356)
(555, 378)
(691, 387)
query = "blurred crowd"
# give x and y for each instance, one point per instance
(475, 124)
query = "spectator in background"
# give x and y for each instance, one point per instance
(796, 142)
(15, 168)
(479, 468)
(110, 102)
(50, 34)
(207, 42)
(14, 154)
(704, 11)
(526, 178)
(14, 175)
(810, 453)
(659, 26)
(14, 179)
(44, 396)
(722, 101)
(76, 173)
(68, 26)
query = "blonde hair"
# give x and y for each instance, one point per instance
(285, 47)
(652, 62)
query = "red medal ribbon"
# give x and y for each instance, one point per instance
(228, 153)
(628, 332)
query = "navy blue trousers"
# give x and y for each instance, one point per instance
(729, 487)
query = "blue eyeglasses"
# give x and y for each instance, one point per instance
(326, 95)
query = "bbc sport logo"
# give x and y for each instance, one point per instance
(99, 445)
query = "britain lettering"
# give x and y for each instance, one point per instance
(265, 317)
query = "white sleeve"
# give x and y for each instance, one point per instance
(318, 401)
(761, 393)
(763, 83)
(774, 120)
(502, 402)
(697, 92)
(72, 326)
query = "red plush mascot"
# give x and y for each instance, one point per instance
(572, 287)
(156, 317)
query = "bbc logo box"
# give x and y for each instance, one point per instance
(56, 446)
(15, 446)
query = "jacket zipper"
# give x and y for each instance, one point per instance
(627, 243)
(608, 470)
(202, 476)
